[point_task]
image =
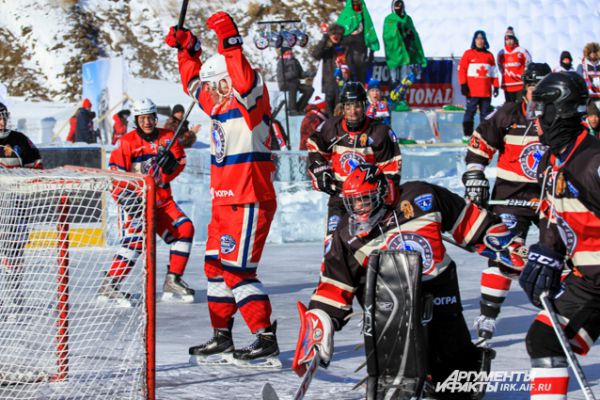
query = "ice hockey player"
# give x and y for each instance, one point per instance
(382, 216)
(508, 133)
(347, 141)
(17, 150)
(569, 234)
(143, 150)
(235, 97)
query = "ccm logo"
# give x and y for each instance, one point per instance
(544, 260)
(222, 193)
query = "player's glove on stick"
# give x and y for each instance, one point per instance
(166, 161)
(477, 187)
(322, 177)
(315, 336)
(183, 39)
(541, 273)
(226, 30)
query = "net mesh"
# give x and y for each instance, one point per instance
(61, 232)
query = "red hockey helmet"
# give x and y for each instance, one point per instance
(366, 192)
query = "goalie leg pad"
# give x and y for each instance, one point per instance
(394, 332)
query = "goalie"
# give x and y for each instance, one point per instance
(411, 217)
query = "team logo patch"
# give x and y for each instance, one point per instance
(363, 139)
(350, 160)
(530, 157)
(227, 244)
(567, 234)
(424, 201)
(415, 242)
(407, 209)
(573, 189)
(218, 138)
(509, 220)
(333, 222)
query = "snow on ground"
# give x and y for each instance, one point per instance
(290, 272)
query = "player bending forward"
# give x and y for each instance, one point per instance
(144, 151)
(235, 97)
(569, 233)
(411, 217)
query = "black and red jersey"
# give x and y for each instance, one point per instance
(423, 213)
(375, 144)
(515, 139)
(16, 151)
(571, 204)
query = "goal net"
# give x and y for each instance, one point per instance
(70, 239)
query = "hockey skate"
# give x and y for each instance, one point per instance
(262, 353)
(217, 351)
(110, 293)
(485, 326)
(175, 290)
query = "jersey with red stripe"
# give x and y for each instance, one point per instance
(423, 213)
(16, 151)
(507, 132)
(375, 143)
(135, 153)
(511, 64)
(242, 168)
(478, 70)
(571, 204)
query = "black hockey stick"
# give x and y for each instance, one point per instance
(268, 393)
(564, 343)
(514, 203)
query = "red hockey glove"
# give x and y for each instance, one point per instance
(183, 39)
(226, 30)
(315, 336)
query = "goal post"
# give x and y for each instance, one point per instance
(65, 233)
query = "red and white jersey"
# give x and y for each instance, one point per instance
(591, 75)
(511, 64)
(242, 168)
(379, 110)
(478, 70)
(137, 154)
(571, 202)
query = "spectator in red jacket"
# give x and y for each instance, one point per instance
(120, 125)
(512, 60)
(316, 113)
(477, 77)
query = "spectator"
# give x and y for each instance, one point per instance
(592, 118)
(566, 62)
(120, 125)
(189, 135)
(377, 107)
(360, 39)
(512, 60)
(84, 129)
(590, 68)
(72, 127)
(289, 73)
(316, 114)
(328, 49)
(342, 75)
(477, 76)
(403, 49)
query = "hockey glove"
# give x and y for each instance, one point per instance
(322, 177)
(183, 39)
(477, 187)
(166, 161)
(541, 273)
(464, 89)
(226, 30)
(131, 202)
(504, 247)
(315, 336)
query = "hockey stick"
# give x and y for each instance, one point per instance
(514, 203)
(268, 393)
(564, 343)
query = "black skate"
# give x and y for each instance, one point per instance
(175, 290)
(262, 353)
(218, 350)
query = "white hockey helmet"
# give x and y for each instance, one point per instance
(143, 107)
(213, 70)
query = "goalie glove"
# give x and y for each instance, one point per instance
(504, 247)
(315, 336)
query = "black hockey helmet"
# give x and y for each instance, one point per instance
(535, 72)
(565, 91)
(4, 111)
(353, 91)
